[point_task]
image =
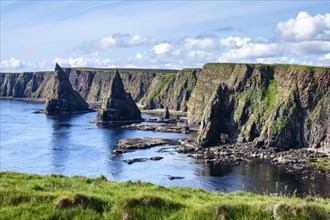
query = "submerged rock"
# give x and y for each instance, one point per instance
(119, 105)
(62, 98)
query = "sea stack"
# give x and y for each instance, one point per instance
(166, 113)
(119, 106)
(62, 98)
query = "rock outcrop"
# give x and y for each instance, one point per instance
(62, 98)
(119, 105)
(281, 106)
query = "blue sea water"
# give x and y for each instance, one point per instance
(71, 145)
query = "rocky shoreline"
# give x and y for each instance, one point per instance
(300, 162)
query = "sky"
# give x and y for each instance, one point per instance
(162, 34)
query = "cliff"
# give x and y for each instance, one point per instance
(118, 105)
(283, 106)
(172, 90)
(151, 88)
(62, 98)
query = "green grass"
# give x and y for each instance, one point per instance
(29, 196)
(322, 163)
(270, 95)
(278, 125)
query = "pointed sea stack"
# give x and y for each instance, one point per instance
(166, 113)
(62, 98)
(119, 106)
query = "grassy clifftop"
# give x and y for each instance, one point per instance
(26, 196)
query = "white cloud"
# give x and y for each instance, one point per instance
(232, 42)
(197, 43)
(162, 48)
(138, 56)
(115, 40)
(84, 62)
(305, 27)
(326, 57)
(13, 63)
(250, 52)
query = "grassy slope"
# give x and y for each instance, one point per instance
(26, 196)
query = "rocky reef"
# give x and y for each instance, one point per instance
(281, 106)
(119, 106)
(62, 98)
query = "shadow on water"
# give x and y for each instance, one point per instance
(261, 178)
(59, 143)
(111, 136)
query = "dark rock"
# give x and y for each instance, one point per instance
(175, 177)
(119, 105)
(136, 160)
(121, 151)
(143, 143)
(166, 114)
(185, 149)
(173, 128)
(217, 121)
(156, 158)
(62, 98)
(39, 111)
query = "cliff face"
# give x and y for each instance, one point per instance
(152, 88)
(25, 85)
(281, 106)
(172, 90)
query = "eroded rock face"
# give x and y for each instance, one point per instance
(282, 106)
(119, 105)
(62, 98)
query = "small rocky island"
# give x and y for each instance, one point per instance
(62, 98)
(119, 106)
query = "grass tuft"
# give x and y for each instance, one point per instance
(29, 196)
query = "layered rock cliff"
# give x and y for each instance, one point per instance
(283, 106)
(151, 88)
(172, 90)
(118, 105)
(62, 98)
